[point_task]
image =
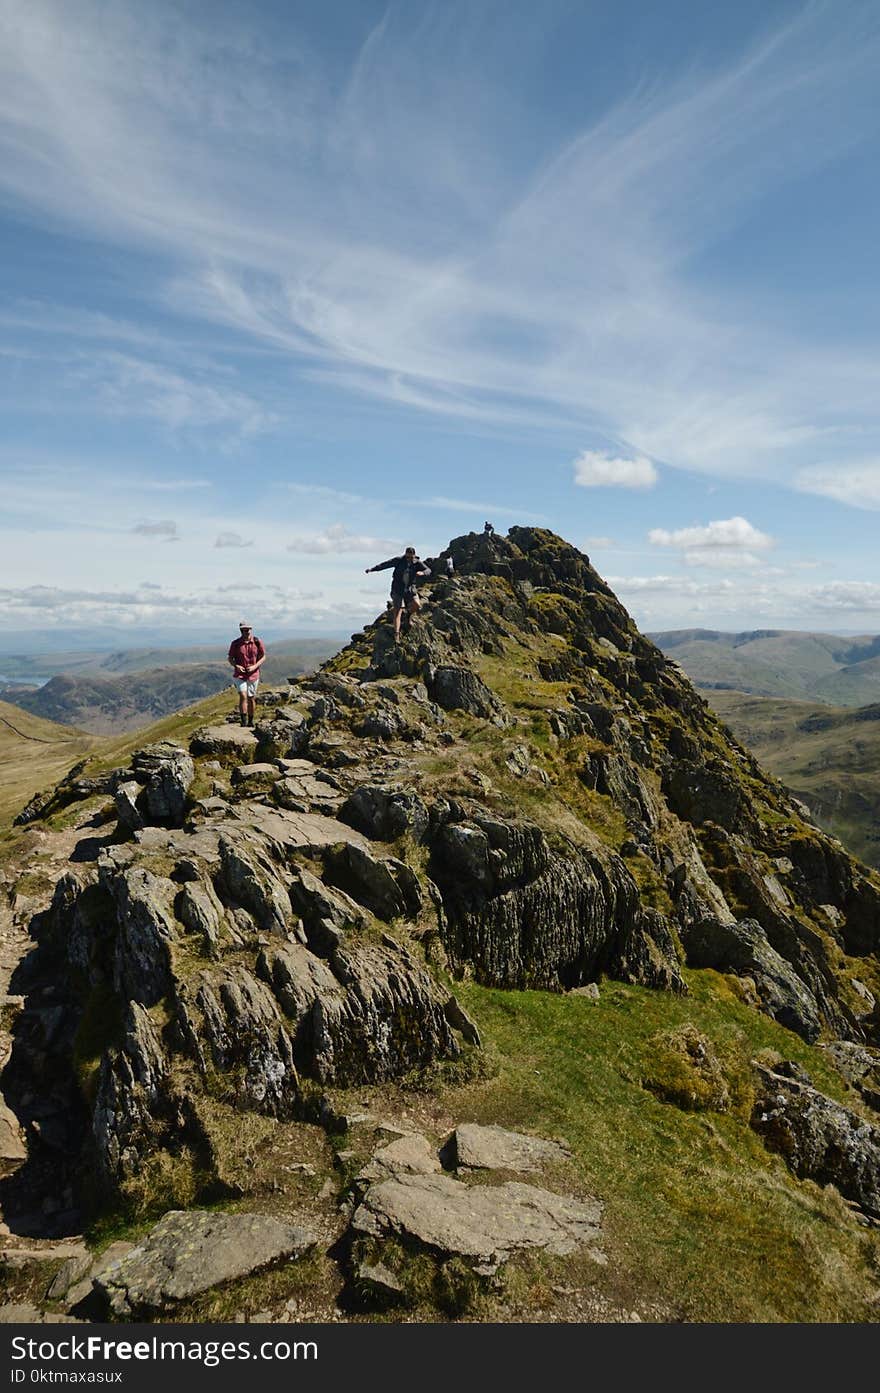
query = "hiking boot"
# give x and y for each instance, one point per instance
(243, 720)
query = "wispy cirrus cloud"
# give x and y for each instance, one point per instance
(562, 287)
(856, 482)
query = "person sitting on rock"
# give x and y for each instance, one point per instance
(246, 655)
(408, 570)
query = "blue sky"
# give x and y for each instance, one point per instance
(284, 287)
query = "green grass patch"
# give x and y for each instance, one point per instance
(696, 1207)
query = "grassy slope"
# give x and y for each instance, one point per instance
(34, 754)
(828, 756)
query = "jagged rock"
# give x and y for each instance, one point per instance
(618, 779)
(384, 723)
(166, 771)
(485, 1225)
(72, 788)
(518, 761)
(323, 909)
(818, 1138)
(251, 879)
(282, 738)
(459, 689)
(231, 1020)
(82, 1289)
(860, 1066)
(189, 1252)
(13, 1150)
(459, 1019)
(146, 929)
(743, 948)
(131, 1084)
(367, 880)
(707, 793)
(473, 1147)
(370, 1014)
(385, 813)
(199, 909)
(125, 797)
(522, 915)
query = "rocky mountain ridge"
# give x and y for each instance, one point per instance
(523, 793)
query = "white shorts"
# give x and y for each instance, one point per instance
(245, 688)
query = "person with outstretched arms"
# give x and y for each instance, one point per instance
(407, 571)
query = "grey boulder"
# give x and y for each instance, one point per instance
(483, 1224)
(473, 1147)
(188, 1252)
(818, 1138)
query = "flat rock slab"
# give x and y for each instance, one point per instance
(188, 1252)
(485, 1224)
(411, 1154)
(290, 829)
(492, 1148)
(248, 774)
(225, 739)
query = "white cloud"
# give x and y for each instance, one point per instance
(846, 596)
(166, 529)
(599, 543)
(673, 585)
(231, 539)
(728, 542)
(593, 469)
(855, 483)
(337, 538)
(62, 608)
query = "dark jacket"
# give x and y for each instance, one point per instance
(407, 570)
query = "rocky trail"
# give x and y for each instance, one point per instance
(223, 963)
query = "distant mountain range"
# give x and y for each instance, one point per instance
(110, 693)
(827, 756)
(839, 670)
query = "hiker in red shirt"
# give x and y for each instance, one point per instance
(246, 655)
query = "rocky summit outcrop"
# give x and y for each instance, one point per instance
(523, 791)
